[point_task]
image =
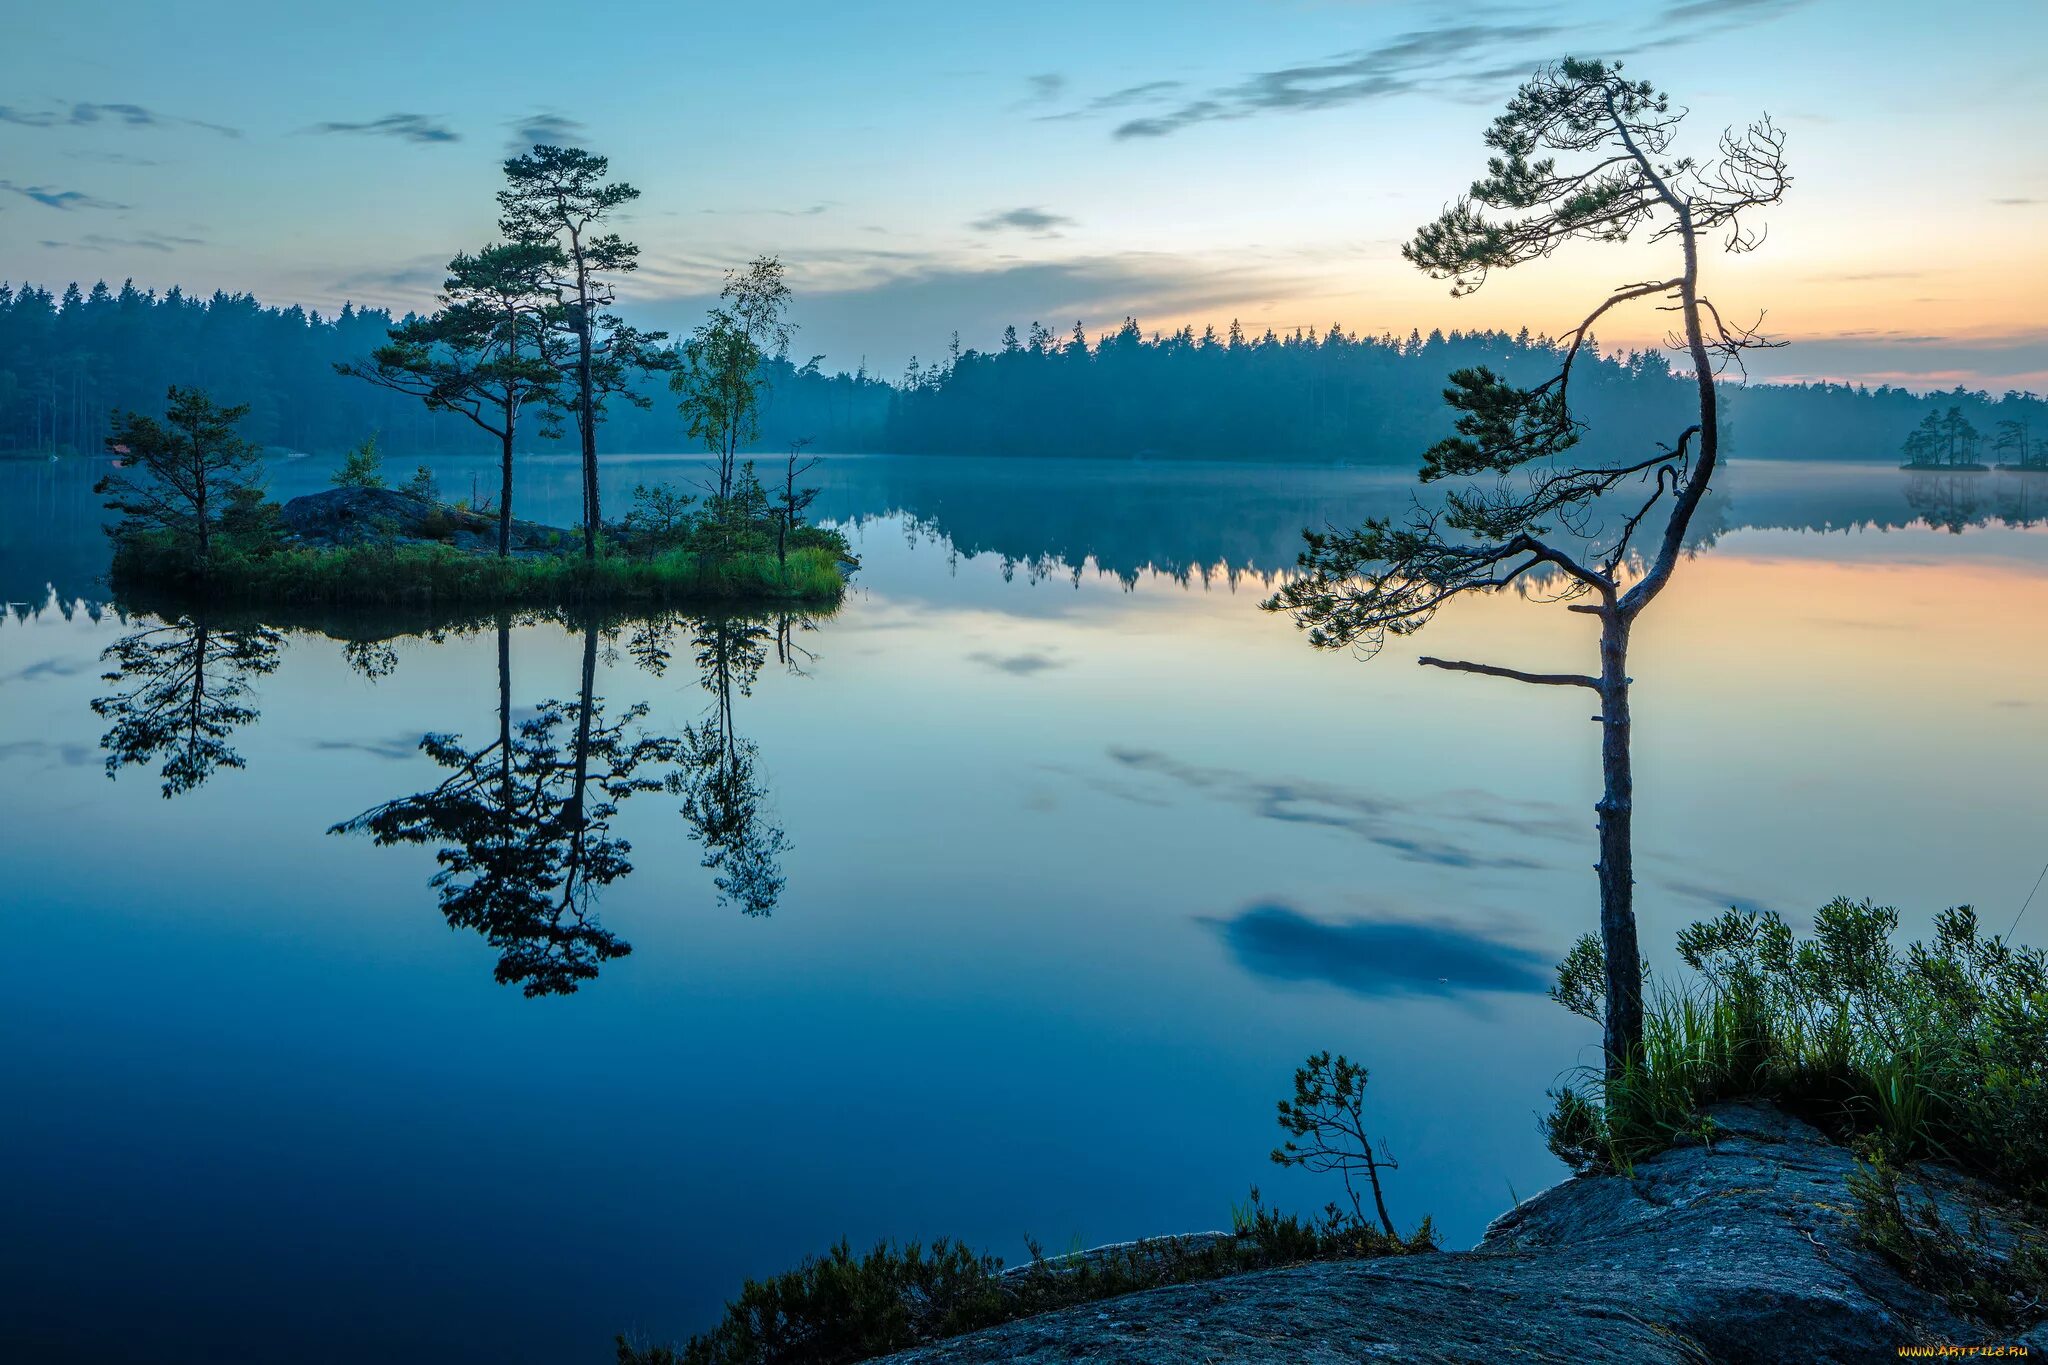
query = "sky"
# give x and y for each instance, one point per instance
(928, 168)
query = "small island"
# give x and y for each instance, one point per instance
(198, 528)
(524, 341)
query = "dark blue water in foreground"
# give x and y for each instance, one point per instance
(1070, 868)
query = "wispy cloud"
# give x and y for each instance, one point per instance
(146, 241)
(81, 114)
(1023, 220)
(1020, 665)
(396, 747)
(1719, 897)
(545, 128)
(1045, 87)
(406, 127)
(1411, 61)
(63, 200)
(1379, 957)
(877, 302)
(1407, 827)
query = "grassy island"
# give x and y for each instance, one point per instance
(197, 527)
(412, 574)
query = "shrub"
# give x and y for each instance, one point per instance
(2004, 1288)
(1940, 1050)
(361, 467)
(422, 485)
(843, 1307)
(660, 518)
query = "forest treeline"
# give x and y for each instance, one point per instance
(69, 361)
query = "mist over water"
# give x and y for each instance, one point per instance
(1000, 902)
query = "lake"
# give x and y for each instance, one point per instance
(1001, 902)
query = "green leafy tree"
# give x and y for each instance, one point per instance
(719, 382)
(181, 474)
(1522, 508)
(558, 198)
(486, 354)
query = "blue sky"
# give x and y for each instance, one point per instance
(926, 167)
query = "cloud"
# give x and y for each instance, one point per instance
(1724, 12)
(1018, 665)
(887, 305)
(147, 241)
(1910, 359)
(2018, 202)
(811, 211)
(1377, 958)
(545, 129)
(397, 747)
(1717, 897)
(1023, 220)
(421, 275)
(1045, 87)
(68, 754)
(406, 127)
(1406, 827)
(80, 115)
(62, 200)
(1416, 60)
(1463, 60)
(48, 668)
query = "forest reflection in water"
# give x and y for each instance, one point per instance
(1053, 519)
(521, 823)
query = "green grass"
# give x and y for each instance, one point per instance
(380, 575)
(1926, 1059)
(1938, 1050)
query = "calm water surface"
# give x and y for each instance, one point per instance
(1000, 903)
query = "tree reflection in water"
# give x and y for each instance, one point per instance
(724, 798)
(523, 826)
(186, 689)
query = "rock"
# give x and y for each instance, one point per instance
(1744, 1251)
(354, 516)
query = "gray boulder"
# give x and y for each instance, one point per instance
(1744, 1251)
(337, 517)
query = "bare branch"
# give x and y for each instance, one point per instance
(1496, 671)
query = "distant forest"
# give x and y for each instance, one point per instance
(67, 362)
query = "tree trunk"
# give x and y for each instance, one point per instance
(588, 423)
(1623, 1043)
(505, 492)
(1372, 1169)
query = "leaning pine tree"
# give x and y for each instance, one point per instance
(1523, 504)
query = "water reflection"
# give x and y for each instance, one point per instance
(184, 691)
(520, 824)
(523, 826)
(1187, 521)
(724, 801)
(1374, 957)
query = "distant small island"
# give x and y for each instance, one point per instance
(1949, 443)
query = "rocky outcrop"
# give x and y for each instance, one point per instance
(1744, 1251)
(337, 517)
